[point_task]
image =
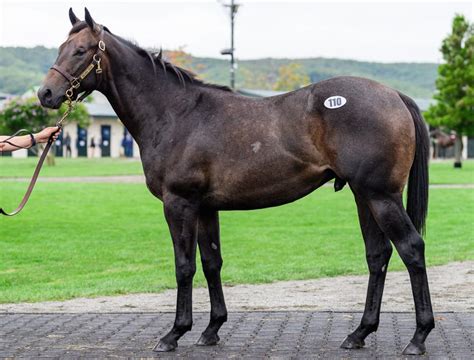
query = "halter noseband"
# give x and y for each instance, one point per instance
(76, 81)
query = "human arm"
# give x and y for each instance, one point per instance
(25, 141)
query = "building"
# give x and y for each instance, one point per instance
(106, 131)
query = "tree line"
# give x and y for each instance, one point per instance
(23, 68)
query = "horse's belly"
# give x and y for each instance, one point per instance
(265, 188)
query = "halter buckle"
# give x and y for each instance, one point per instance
(75, 83)
(102, 45)
(97, 60)
(69, 93)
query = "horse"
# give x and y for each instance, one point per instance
(205, 149)
(441, 141)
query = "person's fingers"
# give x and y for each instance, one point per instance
(46, 133)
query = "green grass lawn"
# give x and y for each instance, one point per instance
(102, 239)
(12, 167)
(444, 173)
(440, 172)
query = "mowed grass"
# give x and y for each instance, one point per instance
(443, 172)
(102, 239)
(12, 167)
(440, 172)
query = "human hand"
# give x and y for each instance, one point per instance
(46, 133)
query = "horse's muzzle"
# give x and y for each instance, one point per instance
(47, 98)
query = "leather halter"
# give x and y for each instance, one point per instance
(75, 82)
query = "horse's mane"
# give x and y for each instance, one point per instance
(182, 75)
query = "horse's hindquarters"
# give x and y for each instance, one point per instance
(370, 141)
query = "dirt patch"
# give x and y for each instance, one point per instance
(452, 289)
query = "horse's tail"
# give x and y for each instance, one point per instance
(417, 198)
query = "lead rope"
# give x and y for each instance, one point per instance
(75, 83)
(23, 202)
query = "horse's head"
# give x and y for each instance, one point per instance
(78, 66)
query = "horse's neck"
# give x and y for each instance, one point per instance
(141, 98)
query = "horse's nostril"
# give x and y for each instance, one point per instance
(45, 96)
(47, 93)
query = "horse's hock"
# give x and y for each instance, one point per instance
(256, 335)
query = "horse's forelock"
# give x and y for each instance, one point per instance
(78, 27)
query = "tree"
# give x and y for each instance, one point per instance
(21, 113)
(291, 77)
(249, 79)
(183, 59)
(454, 108)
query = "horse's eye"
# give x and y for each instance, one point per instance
(79, 52)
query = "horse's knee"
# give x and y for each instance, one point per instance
(185, 272)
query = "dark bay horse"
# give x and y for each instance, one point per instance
(205, 148)
(441, 141)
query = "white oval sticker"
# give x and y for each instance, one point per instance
(335, 102)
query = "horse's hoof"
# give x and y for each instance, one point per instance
(414, 349)
(207, 340)
(163, 346)
(351, 343)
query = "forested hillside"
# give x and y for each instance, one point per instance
(23, 68)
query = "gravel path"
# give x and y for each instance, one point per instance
(452, 289)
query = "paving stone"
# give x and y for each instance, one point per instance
(247, 335)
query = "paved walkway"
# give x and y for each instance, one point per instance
(247, 335)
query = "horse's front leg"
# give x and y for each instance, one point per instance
(182, 218)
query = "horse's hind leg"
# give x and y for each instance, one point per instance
(378, 251)
(210, 249)
(394, 221)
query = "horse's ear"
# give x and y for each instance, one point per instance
(89, 20)
(73, 17)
